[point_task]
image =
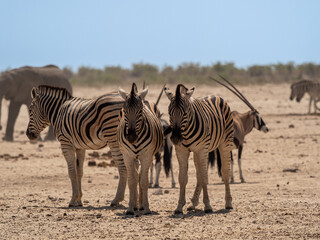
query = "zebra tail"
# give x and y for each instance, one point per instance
(167, 155)
(211, 158)
(219, 162)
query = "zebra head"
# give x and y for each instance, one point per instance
(297, 91)
(132, 112)
(258, 122)
(179, 111)
(38, 120)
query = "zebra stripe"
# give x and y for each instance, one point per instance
(140, 136)
(298, 90)
(79, 124)
(200, 126)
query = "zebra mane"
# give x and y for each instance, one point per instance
(46, 88)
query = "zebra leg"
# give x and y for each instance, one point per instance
(197, 191)
(183, 156)
(133, 178)
(203, 177)
(239, 163)
(118, 159)
(158, 169)
(145, 165)
(225, 169)
(173, 182)
(231, 171)
(69, 154)
(151, 176)
(80, 153)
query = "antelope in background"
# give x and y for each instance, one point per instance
(243, 125)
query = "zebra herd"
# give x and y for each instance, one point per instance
(132, 128)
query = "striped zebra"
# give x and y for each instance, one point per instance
(79, 124)
(298, 90)
(200, 126)
(140, 136)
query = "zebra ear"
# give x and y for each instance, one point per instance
(189, 93)
(34, 92)
(168, 93)
(122, 93)
(144, 93)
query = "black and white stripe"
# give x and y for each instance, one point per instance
(298, 90)
(79, 124)
(140, 137)
(200, 126)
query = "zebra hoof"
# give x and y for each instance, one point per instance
(229, 207)
(156, 186)
(243, 181)
(147, 213)
(208, 211)
(129, 212)
(191, 208)
(178, 212)
(141, 209)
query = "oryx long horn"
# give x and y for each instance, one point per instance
(235, 91)
(158, 100)
(250, 105)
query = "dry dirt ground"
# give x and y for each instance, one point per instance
(273, 204)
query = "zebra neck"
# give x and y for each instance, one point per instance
(52, 107)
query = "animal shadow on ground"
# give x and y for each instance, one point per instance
(94, 208)
(123, 215)
(199, 213)
(234, 183)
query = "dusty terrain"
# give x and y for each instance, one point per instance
(273, 204)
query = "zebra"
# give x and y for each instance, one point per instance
(166, 148)
(140, 136)
(298, 89)
(243, 125)
(79, 124)
(200, 125)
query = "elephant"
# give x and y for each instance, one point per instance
(16, 85)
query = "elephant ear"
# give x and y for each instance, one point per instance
(34, 93)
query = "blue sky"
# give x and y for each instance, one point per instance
(168, 32)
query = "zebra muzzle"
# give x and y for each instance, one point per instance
(31, 135)
(131, 136)
(176, 136)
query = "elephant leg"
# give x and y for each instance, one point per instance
(14, 109)
(50, 136)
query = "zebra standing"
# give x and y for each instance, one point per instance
(140, 136)
(200, 126)
(78, 124)
(298, 90)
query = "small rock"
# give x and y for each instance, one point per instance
(64, 214)
(99, 215)
(258, 151)
(48, 215)
(92, 163)
(40, 145)
(278, 185)
(291, 126)
(166, 191)
(312, 176)
(94, 154)
(116, 177)
(268, 193)
(102, 164)
(294, 170)
(89, 181)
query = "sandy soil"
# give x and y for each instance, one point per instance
(274, 204)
